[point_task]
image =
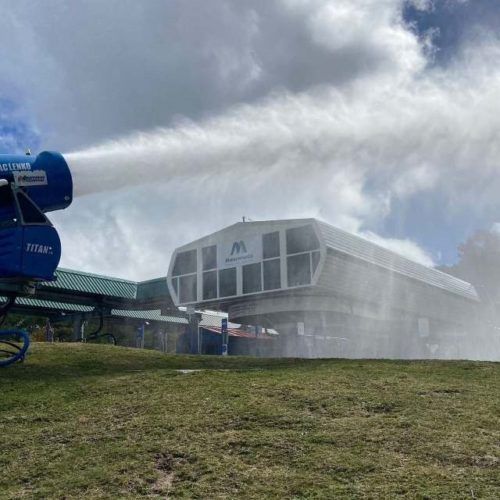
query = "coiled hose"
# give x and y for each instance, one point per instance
(98, 335)
(13, 352)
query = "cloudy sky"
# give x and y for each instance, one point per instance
(181, 116)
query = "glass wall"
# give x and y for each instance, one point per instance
(187, 288)
(209, 285)
(299, 269)
(227, 282)
(302, 248)
(301, 239)
(184, 278)
(209, 265)
(272, 274)
(271, 245)
(271, 267)
(252, 278)
(185, 263)
(209, 257)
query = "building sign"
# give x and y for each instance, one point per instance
(239, 251)
(34, 178)
(13, 167)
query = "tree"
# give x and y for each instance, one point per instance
(479, 264)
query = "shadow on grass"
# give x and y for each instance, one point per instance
(55, 362)
(63, 361)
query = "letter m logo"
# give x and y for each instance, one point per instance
(238, 247)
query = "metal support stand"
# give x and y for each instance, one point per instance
(225, 337)
(194, 332)
(49, 332)
(139, 340)
(77, 328)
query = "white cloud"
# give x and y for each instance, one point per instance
(342, 117)
(404, 247)
(370, 27)
(338, 154)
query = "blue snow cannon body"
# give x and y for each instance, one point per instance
(30, 248)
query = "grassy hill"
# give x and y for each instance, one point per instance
(107, 422)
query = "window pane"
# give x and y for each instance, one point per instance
(315, 261)
(175, 284)
(187, 291)
(227, 282)
(210, 285)
(301, 239)
(252, 281)
(271, 245)
(299, 272)
(185, 263)
(272, 274)
(209, 257)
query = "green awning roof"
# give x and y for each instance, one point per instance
(77, 281)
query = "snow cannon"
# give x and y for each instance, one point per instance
(30, 186)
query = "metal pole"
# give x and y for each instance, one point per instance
(224, 335)
(49, 331)
(139, 340)
(164, 339)
(77, 328)
(194, 333)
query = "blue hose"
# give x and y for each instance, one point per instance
(19, 352)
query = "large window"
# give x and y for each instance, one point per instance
(301, 239)
(209, 257)
(302, 247)
(299, 269)
(209, 285)
(315, 261)
(271, 245)
(184, 278)
(252, 279)
(185, 263)
(272, 274)
(227, 282)
(187, 288)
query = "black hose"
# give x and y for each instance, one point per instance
(9, 353)
(99, 328)
(98, 335)
(101, 336)
(5, 308)
(10, 344)
(20, 351)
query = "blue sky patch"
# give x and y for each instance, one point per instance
(16, 133)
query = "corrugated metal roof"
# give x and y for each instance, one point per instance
(237, 332)
(93, 283)
(208, 320)
(152, 315)
(363, 249)
(48, 304)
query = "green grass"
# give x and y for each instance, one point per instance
(104, 422)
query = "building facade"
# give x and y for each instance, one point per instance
(327, 292)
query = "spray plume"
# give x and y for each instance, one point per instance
(388, 136)
(401, 136)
